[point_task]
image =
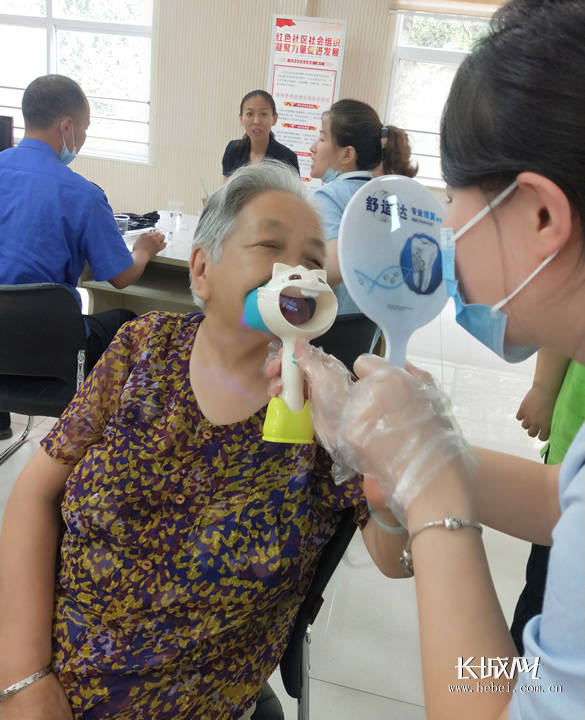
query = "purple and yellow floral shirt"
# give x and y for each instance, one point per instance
(188, 546)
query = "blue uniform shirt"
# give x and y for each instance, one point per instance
(333, 198)
(52, 221)
(557, 636)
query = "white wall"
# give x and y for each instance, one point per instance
(206, 55)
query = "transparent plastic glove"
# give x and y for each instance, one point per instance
(272, 366)
(392, 424)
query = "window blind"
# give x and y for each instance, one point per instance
(468, 8)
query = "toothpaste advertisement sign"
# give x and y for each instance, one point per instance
(390, 257)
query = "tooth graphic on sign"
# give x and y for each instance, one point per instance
(423, 253)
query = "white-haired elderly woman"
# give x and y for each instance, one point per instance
(188, 541)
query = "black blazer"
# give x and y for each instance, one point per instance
(237, 153)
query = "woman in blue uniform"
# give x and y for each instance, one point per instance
(351, 146)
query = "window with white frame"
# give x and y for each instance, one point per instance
(105, 45)
(429, 50)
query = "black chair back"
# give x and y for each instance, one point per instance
(291, 668)
(42, 348)
(6, 132)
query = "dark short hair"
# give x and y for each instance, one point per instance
(258, 93)
(50, 97)
(517, 103)
(356, 124)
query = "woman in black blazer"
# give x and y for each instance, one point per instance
(257, 116)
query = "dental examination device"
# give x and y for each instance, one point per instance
(390, 257)
(295, 303)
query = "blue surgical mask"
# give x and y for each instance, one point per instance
(330, 174)
(486, 324)
(66, 155)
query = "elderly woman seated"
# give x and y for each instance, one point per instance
(188, 542)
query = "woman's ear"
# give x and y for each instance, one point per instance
(547, 211)
(348, 156)
(274, 119)
(199, 269)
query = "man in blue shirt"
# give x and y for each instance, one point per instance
(52, 220)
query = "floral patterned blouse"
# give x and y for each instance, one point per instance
(188, 546)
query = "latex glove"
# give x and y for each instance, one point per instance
(43, 700)
(536, 411)
(392, 424)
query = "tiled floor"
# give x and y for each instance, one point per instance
(364, 653)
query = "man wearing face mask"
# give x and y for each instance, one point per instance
(52, 220)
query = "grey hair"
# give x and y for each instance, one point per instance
(220, 215)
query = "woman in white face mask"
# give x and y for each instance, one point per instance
(514, 161)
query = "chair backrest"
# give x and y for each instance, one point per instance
(290, 663)
(41, 332)
(6, 132)
(349, 337)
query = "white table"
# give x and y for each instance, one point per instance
(164, 285)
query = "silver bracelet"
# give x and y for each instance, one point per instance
(392, 529)
(451, 523)
(21, 684)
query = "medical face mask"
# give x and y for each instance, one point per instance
(486, 324)
(330, 174)
(66, 155)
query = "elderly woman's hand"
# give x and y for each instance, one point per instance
(392, 424)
